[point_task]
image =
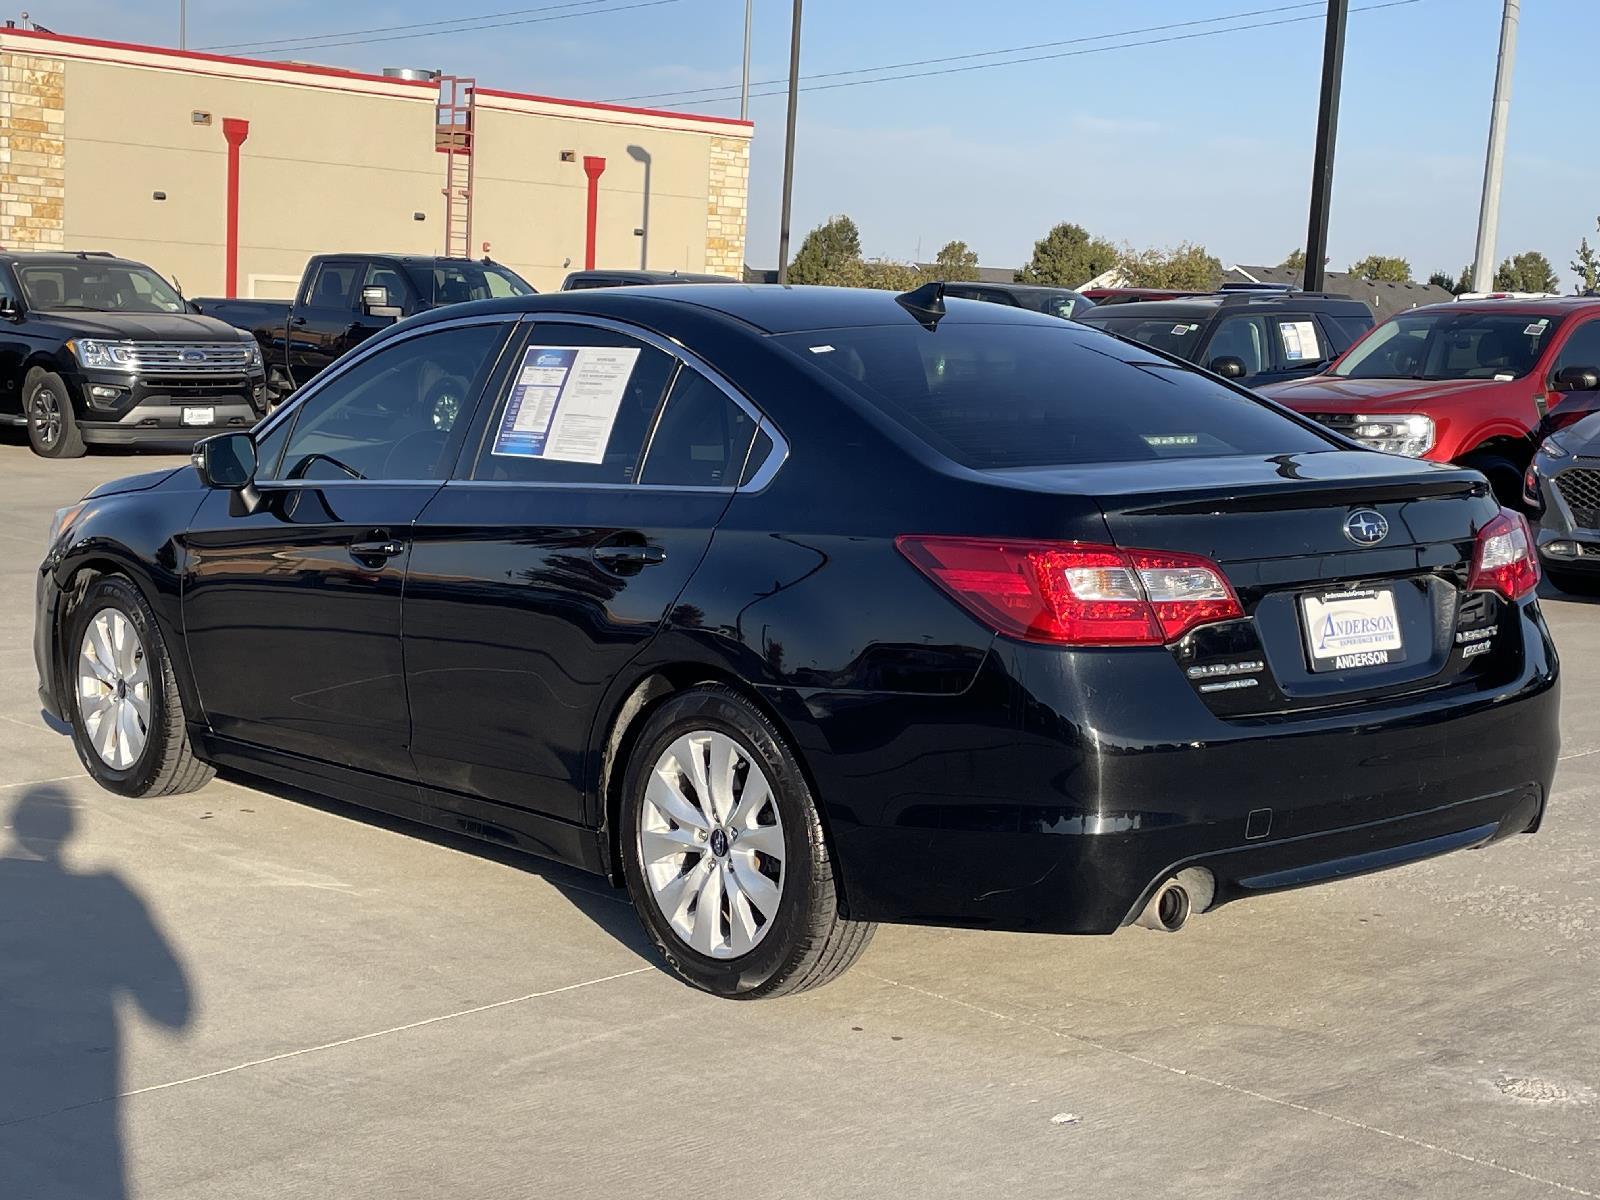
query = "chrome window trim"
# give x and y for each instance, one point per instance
(682, 356)
(365, 351)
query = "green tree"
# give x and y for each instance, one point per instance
(1464, 283)
(1068, 256)
(1587, 265)
(1380, 268)
(955, 261)
(890, 275)
(1296, 260)
(1443, 279)
(1183, 266)
(1529, 271)
(831, 254)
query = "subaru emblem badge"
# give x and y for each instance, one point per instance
(1365, 527)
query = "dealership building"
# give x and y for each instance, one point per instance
(227, 173)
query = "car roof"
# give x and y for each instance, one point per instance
(652, 276)
(1013, 287)
(1546, 306)
(65, 256)
(765, 307)
(1212, 304)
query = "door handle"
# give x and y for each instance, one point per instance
(621, 558)
(377, 550)
(297, 322)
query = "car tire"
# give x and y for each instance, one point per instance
(1503, 476)
(128, 722)
(52, 426)
(777, 928)
(1578, 583)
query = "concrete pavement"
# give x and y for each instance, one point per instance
(248, 992)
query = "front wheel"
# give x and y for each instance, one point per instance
(724, 852)
(1503, 476)
(52, 426)
(127, 717)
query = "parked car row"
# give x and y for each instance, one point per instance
(798, 610)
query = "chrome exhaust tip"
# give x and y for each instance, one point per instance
(1184, 895)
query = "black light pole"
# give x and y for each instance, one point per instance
(788, 146)
(1327, 134)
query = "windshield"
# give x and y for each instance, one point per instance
(458, 282)
(1449, 345)
(91, 286)
(1063, 304)
(1001, 395)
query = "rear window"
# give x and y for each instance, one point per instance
(1174, 335)
(992, 396)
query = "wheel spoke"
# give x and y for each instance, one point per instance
(762, 891)
(766, 838)
(707, 933)
(130, 738)
(658, 844)
(663, 794)
(104, 735)
(98, 638)
(689, 755)
(141, 707)
(674, 896)
(724, 758)
(751, 801)
(742, 927)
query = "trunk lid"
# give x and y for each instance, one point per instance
(1277, 528)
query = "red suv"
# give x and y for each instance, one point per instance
(1467, 383)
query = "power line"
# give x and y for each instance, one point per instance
(513, 12)
(401, 37)
(1182, 37)
(923, 62)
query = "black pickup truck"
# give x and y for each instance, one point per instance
(100, 350)
(343, 299)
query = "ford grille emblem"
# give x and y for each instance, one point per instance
(191, 356)
(1365, 527)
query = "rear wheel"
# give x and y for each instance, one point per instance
(52, 426)
(127, 717)
(724, 852)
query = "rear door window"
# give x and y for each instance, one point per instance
(334, 285)
(1000, 395)
(1174, 335)
(577, 406)
(702, 438)
(1245, 338)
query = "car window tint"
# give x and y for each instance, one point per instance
(1582, 349)
(1244, 338)
(334, 285)
(1175, 335)
(990, 396)
(702, 438)
(1343, 331)
(379, 275)
(269, 449)
(391, 415)
(577, 408)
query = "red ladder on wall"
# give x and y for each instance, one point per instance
(453, 137)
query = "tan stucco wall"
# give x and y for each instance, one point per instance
(32, 114)
(335, 162)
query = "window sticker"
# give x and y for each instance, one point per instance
(1299, 341)
(822, 349)
(1537, 328)
(564, 403)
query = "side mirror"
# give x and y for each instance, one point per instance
(226, 461)
(9, 309)
(376, 302)
(1576, 379)
(1227, 366)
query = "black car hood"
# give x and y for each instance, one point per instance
(134, 483)
(152, 327)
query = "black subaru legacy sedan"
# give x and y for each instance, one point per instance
(796, 611)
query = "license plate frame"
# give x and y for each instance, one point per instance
(1351, 629)
(199, 414)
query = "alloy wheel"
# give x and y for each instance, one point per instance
(114, 689)
(711, 844)
(45, 412)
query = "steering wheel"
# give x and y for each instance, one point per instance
(304, 465)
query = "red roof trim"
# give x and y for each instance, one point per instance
(341, 73)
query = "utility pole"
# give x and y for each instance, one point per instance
(1489, 210)
(744, 82)
(183, 24)
(788, 146)
(1327, 135)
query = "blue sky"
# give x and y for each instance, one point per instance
(1207, 140)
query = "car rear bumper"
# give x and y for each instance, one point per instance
(1067, 816)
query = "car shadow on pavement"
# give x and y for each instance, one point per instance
(607, 907)
(74, 947)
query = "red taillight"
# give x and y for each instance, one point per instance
(1074, 594)
(1503, 560)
